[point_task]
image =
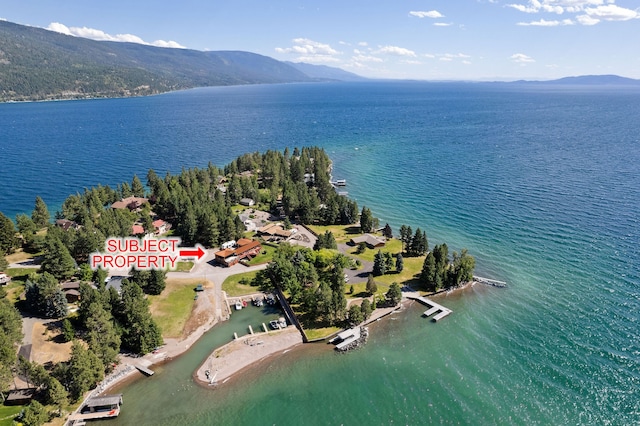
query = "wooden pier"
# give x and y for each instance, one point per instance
(434, 308)
(489, 281)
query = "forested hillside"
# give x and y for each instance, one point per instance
(36, 64)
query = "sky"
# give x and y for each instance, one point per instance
(399, 39)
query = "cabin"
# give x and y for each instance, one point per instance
(370, 240)
(71, 290)
(247, 202)
(67, 224)
(245, 249)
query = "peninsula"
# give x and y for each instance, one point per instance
(275, 230)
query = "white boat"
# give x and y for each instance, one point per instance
(274, 324)
(282, 322)
(238, 305)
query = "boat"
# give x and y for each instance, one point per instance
(244, 303)
(282, 322)
(274, 324)
(340, 182)
(238, 305)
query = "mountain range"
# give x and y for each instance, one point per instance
(38, 64)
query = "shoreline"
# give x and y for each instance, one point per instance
(233, 357)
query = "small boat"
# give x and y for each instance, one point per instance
(282, 322)
(244, 303)
(274, 324)
(238, 305)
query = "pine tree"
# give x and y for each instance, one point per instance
(56, 259)
(379, 264)
(366, 220)
(394, 295)
(372, 287)
(137, 188)
(40, 214)
(8, 238)
(399, 263)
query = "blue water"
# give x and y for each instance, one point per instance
(541, 184)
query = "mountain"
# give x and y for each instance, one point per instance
(37, 64)
(324, 72)
(590, 80)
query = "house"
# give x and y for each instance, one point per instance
(369, 240)
(137, 230)
(131, 203)
(4, 278)
(71, 291)
(160, 226)
(247, 202)
(20, 396)
(246, 249)
(67, 224)
(274, 230)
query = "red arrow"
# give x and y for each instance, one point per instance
(193, 252)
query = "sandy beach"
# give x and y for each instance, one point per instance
(245, 351)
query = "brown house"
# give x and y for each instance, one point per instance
(246, 249)
(131, 203)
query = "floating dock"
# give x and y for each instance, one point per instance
(434, 308)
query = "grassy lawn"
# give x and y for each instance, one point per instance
(184, 266)
(320, 333)
(173, 307)
(234, 287)
(20, 256)
(342, 233)
(7, 413)
(265, 256)
(18, 279)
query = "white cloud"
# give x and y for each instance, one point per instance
(363, 44)
(411, 62)
(611, 12)
(362, 57)
(442, 24)
(587, 20)
(545, 23)
(588, 12)
(434, 14)
(395, 50)
(521, 58)
(311, 51)
(94, 34)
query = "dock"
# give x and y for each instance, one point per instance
(144, 370)
(346, 338)
(491, 282)
(434, 308)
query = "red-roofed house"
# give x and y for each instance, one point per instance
(137, 230)
(160, 226)
(246, 249)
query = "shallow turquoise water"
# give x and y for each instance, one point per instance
(541, 185)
